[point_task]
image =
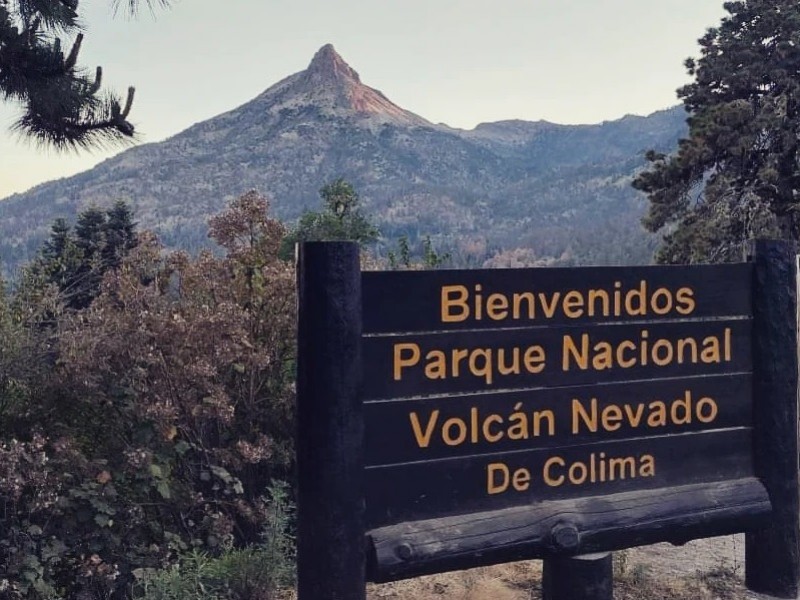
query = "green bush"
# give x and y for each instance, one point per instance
(147, 424)
(258, 572)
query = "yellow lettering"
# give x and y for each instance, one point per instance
(658, 414)
(601, 295)
(534, 359)
(623, 362)
(458, 356)
(485, 370)
(617, 468)
(639, 296)
(603, 357)
(497, 307)
(447, 431)
(710, 353)
(539, 416)
(684, 403)
(579, 414)
(436, 367)
(548, 479)
(549, 309)
(686, 303)
(667, 357)
(487, 432)
(517, 305)
(423, 439)
(493, 486)
(521, 480)
(712, 413)
(569, 349)
(661, 308)
(400, 362)
(573, 305)
(647, 466)
(458, 302)
(612, 417)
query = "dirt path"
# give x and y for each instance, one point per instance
(666, 560)
(709, 569)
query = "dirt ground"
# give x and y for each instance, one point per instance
(709, 569)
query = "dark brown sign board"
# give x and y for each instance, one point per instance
(463, 418)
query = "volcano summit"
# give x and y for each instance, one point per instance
(526, 191)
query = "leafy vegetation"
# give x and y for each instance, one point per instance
(401, 258)
(257, 572)
(144, 422)
(75, 261)
(340, 219)
(736, 176)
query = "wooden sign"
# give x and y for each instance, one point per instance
(625, 377)
(464, 418)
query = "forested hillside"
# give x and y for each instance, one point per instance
(506, 192)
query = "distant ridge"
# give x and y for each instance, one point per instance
(555, 192)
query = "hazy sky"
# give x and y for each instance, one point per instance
(461, 63)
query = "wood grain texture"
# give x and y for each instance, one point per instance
(409, 301)
(440, 488)
(390, 435)
(379, 357)
(330, 426)
(567, 527)
(772, 564)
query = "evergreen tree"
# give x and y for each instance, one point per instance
(56, 246)
(75, 260)
(737, 175)
(120, 234)
(341, 219)
(59, 257)
(63, 106)
(431, 259)
(90, 240)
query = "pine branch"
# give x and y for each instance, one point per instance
(98, 125)
(72, 58)
(132, 6)
(61, 104)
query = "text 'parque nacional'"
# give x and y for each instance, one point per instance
(606, 333)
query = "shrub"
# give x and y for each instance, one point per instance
(258, 572)
(146, 424)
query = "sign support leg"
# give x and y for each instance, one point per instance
(772, 554)
(585, 577)
(330, 427)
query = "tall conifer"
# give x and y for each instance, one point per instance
(736, 175)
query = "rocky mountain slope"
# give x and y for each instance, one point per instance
(536, 189)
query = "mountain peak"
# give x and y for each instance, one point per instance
(328, 65)
(331, 85)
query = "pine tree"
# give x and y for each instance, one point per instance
(59, 257)
(737, 175)
(63, 106)
(120, 234)
(76, 260)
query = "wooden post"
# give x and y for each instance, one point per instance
(586, 577)
(773, 554)
(330, 426)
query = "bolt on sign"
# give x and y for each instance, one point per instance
(464, 418)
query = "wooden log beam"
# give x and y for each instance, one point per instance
(566, 527)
